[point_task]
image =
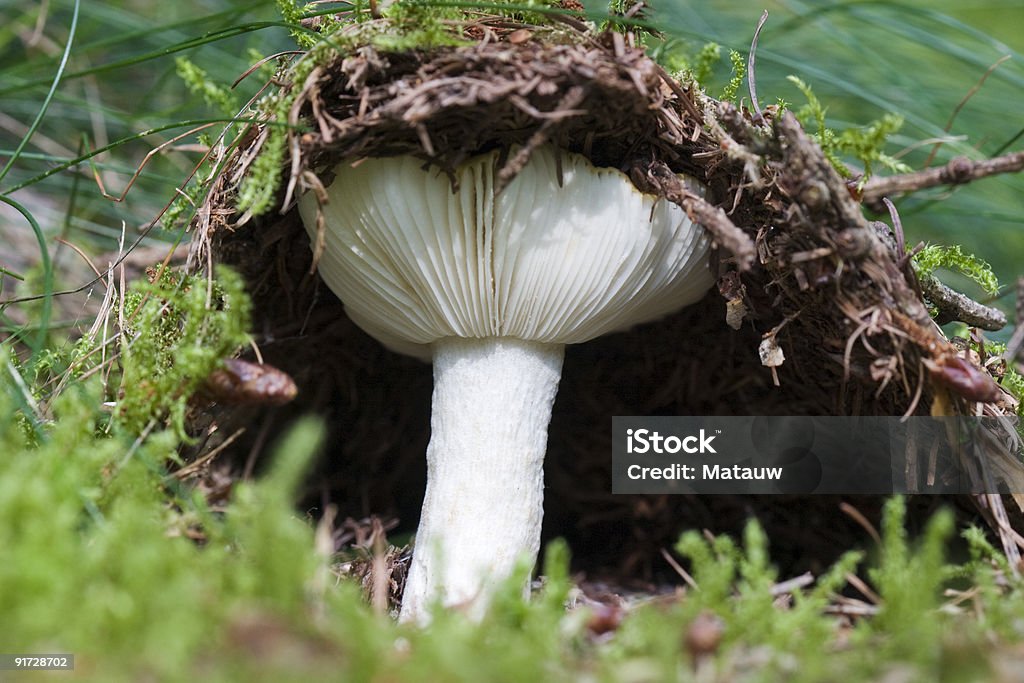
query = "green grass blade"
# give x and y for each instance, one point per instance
(49, 96)
(44, 255)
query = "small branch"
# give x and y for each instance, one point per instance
(957, 172)
(751, 81)
(953, 305)
(902, 256)
(752, 163)
(571, 22)
(725, 232)
(853, 608)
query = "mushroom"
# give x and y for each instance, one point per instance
(491, 286)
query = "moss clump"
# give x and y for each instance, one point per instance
(198, 82)
(177, 329)
(260, 186)
(935, 256)
(99, 562)
(910, 583)
(256, 599)
(865, 144)
(739, 70)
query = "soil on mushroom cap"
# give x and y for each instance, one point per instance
(822, 275)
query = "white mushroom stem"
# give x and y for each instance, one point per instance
(483, 506)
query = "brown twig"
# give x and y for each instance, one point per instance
(566, 107)
(858, 516)
(751, 81)
(903, 256)
(199, 463)
(863, 588)
(953, 305)
(792, 585)
(957, 172)
(679, 569)
(657, 178)
(728, 236)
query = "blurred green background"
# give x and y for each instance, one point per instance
(918, 59)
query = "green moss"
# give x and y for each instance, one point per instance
(177, 330)
(704, 62)
(293, 13)
(736, 584)
(258, 190)
(198, 82)
(910, 582)
(739, 70)
(256, 601)
(420, 25)
(935, 256)
(259, 187)
(865, 144)
(94, 570)
(1014, 383)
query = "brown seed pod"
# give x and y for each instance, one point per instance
(704, 635)
(240, 382)
(604, 618)
(963, 378)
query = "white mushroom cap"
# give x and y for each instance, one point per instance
(415, 262)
